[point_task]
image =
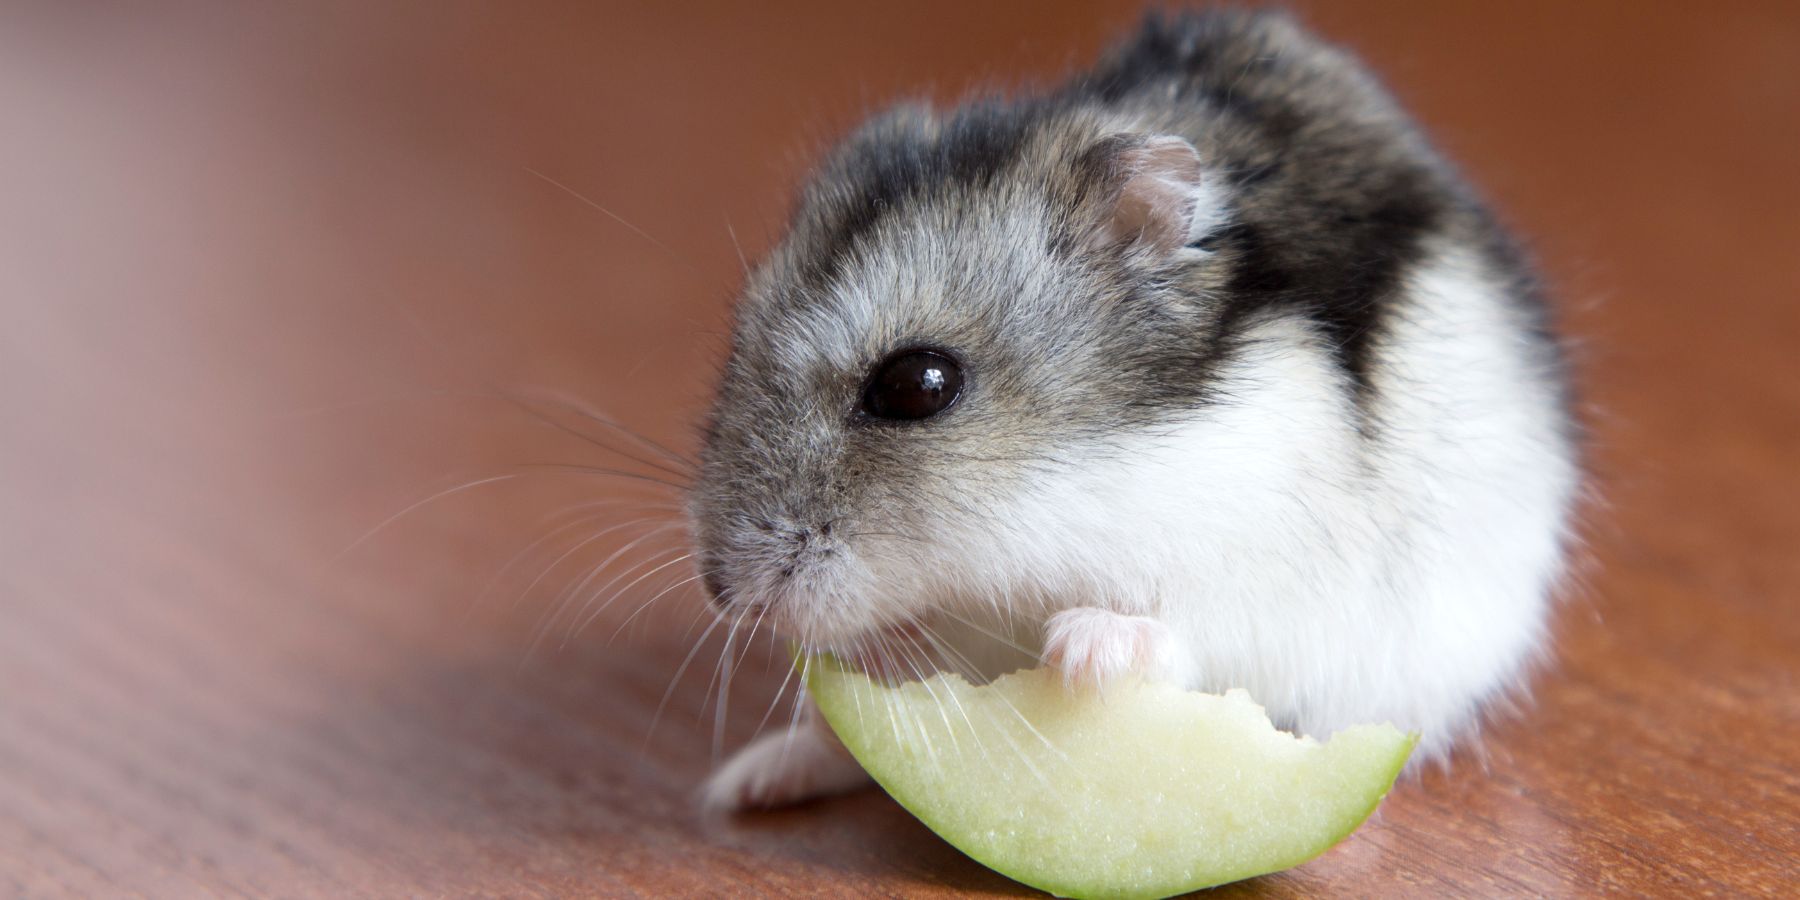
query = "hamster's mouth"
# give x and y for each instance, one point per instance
(916, 648)
(893, 653)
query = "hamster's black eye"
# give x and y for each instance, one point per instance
(913, 384)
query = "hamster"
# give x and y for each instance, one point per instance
(1202, 366)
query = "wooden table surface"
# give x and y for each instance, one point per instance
(271, 276)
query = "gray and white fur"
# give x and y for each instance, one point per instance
(1256, 394)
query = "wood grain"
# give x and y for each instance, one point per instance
(271, 276)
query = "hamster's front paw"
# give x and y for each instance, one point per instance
(780, 769)
(1093, 646)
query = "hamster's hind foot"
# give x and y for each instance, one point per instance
(801, 763)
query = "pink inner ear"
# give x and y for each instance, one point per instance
(1157, 203)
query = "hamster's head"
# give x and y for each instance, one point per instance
(964, 315)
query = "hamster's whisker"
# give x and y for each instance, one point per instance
(734, 619)
(970, 624)
(877, 651)
(775, 701)
(467, 485)
(590, 612)
(944, 646)
(547, 468)
(899, 648)
(539, 541)
(738, 643)
(890, 664)
(646, 604)
(611, 449)
(918, 660)
(797, 707)
(685, 467)
(557, 532)
(567, 596)
(890, 708)
(743, 262)
(666, 526)
(727, 669)
(601, 472)
(680, 670)
(762, 612)
(954, 659)
(665, 248)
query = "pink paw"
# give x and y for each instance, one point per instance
(1094, 646)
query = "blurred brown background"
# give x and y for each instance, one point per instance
(270, 276)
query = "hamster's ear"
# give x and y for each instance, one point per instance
(1153, 196)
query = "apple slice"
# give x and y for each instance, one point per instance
(1145, 791)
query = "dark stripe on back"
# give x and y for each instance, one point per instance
(1328, 213)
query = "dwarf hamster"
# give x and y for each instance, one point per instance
(1201, 366)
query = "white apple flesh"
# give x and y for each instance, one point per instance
(1144, 790)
